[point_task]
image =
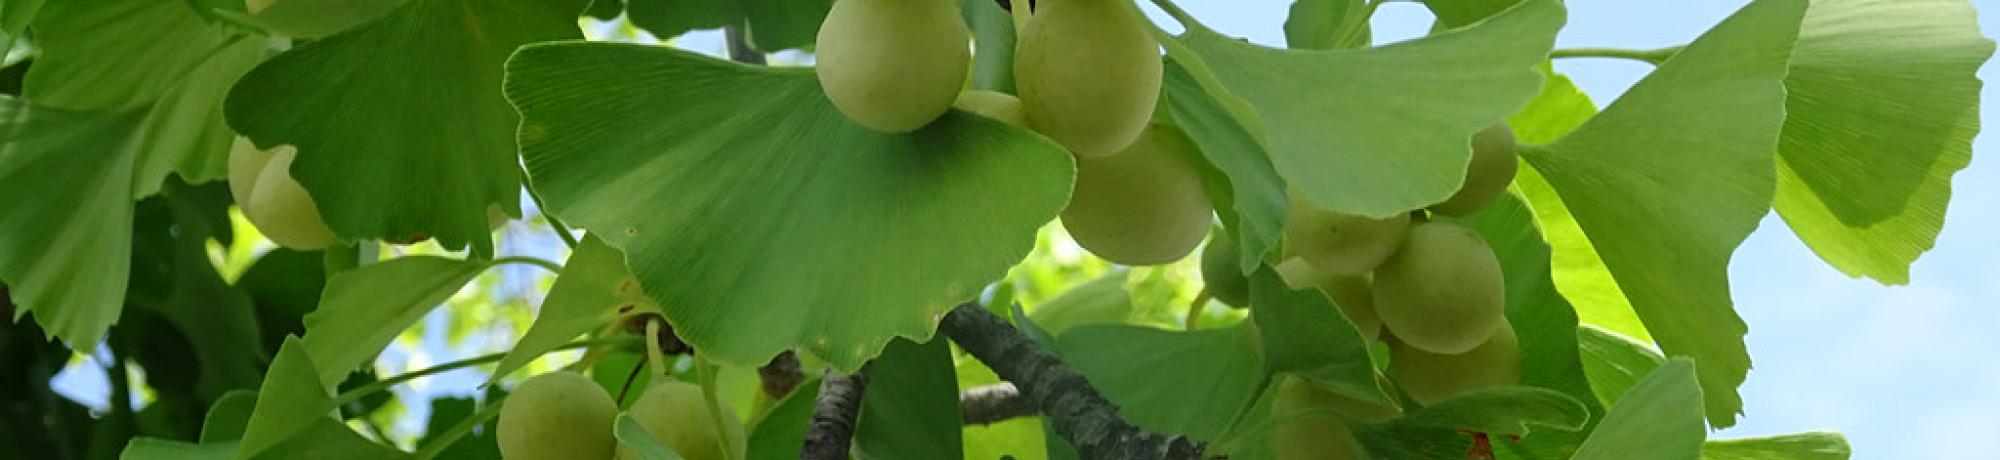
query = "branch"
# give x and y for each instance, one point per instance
(990, 404)
(739, 47)
(1078, 412)
(834, 414)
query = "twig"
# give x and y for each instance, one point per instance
(834, 414)
(990, 404)
(1077, 411)
(739, 47)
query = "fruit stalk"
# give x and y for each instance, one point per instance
(1078, 412)
(834, 415)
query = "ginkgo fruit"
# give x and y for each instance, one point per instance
(1443, 292)
(992, 104)
(892, 65)
(557, 415)
(1356, 297)
(1145, 205)
(272, 200)
(315, 18)
(1492, 168)
(1431, 377)
(1220, 273)
(1088, 72)
(1310, 424)
(1340, 244)
(676, 414)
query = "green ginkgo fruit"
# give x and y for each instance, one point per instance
(1088, 72)
(676, 414)
(1432, 377)
(1356, 297)
(1443, 292)
(1220, 273)
(892, 65)
(315, 18)
(272, 200)
(557, 415)
(1311, 424)
(1145, 205)
(1493, 165)
(1337, 244)
(992, 104)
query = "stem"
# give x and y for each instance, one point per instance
(562, 231)
(1654, 57)
(653, 356)
(551, 266)
(833, 417)
(739, 47)
(1074, 408)
(629, 378)
(1021, 13)
(1180, 15)
(1351, 31)
(706, 372)
(463, 428)
(1194, 309)
(356, 394)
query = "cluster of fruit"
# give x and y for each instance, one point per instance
(1432, 291)
(564, 415)
(1088, 73)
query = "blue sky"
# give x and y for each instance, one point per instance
(1906, 372)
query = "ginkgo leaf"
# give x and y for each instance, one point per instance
(1881, 108)
(1661, 419)
(1250, 197)
(592, 288)
(1128, 363)
(1671, 177)
(1394, 133)
(291, 399)
(363, 309)
(400, 124)
(66, 198)
(758, 216)
(1816, 445)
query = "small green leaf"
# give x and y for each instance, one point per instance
(1614, 362)
(1101, 300)
(779, 433)
(291, 400)
(1406, 111)
(1458, 13)
(1816, 445)
(770, 25)
(1669, 179)
(162, 449)
(1503, 411)
(1149, 374)
(589, 292)
(88, 63)
(911, 409)
(1660, 419)
(66, 198)
(400, 124)
(630, 434)
(365, 308)
(758, 216)
(1248, 194)
(1304, 333)
(228, 417)
(1322, 24)
(1881, 108)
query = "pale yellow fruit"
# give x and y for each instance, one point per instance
(1340, 244)
(1356, 298)
(892, 65)
(1145, 205)
(1308, 424)
(1088, 72)
(1443, 292)
(315, 18)
(992, 104)
(1432, 377)
(557, 415)
(1492, 168)
(675, 413)
(275, 202)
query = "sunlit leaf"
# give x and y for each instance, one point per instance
(365, 308)
(1303, 332)
(291, 400)
(1816, 445)
(1660, 419)
(1670, 178)
(589, 292)
(1504, 411)
(911, 409)
(66, 255)
(414, 142)
(1323, 24)
(758, 216)
(1614, 362)
(1101, 300)
(1248, 195)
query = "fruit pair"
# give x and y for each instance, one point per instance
(564, 415)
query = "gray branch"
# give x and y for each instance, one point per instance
(1081, 415)
(833, 417)
(990, 404)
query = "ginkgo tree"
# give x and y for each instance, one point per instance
(1432, 248)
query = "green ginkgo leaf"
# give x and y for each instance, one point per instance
(1249, 195)
(1671, 177)
(291, 399)
(758, 216)
(1815, 445)
(66, 198)
(1129, 363)
(1881, 109)
(1660, 419)
(399, 122)
(1380, 131)
(591, 290)
(363, 309)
